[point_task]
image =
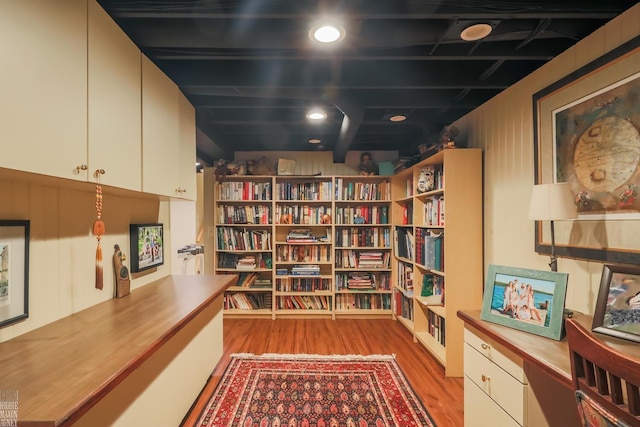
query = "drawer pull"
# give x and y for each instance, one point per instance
(485, 378)
(485, 346)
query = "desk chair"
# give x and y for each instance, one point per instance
(605, 380)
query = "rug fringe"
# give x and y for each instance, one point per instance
(315, 356)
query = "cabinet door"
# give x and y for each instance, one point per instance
(187, 139)
(160, 128)
(481, 411)
(114, 103)
(43, 81)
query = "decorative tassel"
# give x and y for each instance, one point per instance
(99, 272)
(98, 231)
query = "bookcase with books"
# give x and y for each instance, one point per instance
(362, 246)
(244, 243)
(440, 250)
(402, 190)
(303, 258)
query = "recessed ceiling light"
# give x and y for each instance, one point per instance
(398, 118)
(316, 115)
(475, 32)
(315, 141)
(326, 33)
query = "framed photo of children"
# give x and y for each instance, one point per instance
(524, 299)
(618, 305)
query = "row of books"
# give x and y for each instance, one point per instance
(369, 237)
(302, 284)
(247, 190)
(407, 214)
(363, 281)
(254, 214)
(304, 302)
(362, 215)
(362, 190)
(301, 235)
(436, 327)
(363, 301)
(297, 214)
(349, 258)
(305, 270)
(244, 262)
(405, 276)
(234, 239)
(247, 300)
(429, 247)
(404, 242)
(303, 253)
(304, 190)
(402, 305)
(434, 212)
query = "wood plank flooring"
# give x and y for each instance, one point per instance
(443, 397)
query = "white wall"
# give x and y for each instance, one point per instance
(503, 127)
(63, 248)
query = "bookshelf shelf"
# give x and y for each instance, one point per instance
(439, 249)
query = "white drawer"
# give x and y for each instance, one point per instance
(499, 385)
(496, 353)
(481, 411)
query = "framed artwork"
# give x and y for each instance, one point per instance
(587, 133)
(524, 299)
(618, 304)
(14, 271)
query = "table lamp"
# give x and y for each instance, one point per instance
(551, 202)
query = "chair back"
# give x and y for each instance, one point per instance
(605, 380)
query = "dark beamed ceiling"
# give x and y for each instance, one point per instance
(251, 71)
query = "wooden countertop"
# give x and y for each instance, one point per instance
(549, 355)
(64, 368)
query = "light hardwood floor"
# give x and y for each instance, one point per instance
(443, 397)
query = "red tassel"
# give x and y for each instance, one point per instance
(99, 275)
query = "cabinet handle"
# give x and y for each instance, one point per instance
(485, 378)
(181, 190)
(99, 172)
(485, 346)
(79, 168)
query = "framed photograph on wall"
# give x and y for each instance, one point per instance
(618, 306)
(14, 271)
(587, 133)
(524, 299)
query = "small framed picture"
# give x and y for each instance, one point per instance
(524, 299)
(14, 271)
(618, 304)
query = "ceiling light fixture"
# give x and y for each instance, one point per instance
(475, 32)
(326, 33)
(315, 141)
(398, 118)
(316, 115)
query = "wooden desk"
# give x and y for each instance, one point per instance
(546, 363)
(66, 368)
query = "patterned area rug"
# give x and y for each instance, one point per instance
(313, 391)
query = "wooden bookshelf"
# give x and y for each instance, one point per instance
(454, 262)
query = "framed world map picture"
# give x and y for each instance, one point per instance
(587, 133)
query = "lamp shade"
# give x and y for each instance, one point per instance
(552, 202)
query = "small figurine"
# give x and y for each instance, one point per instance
(326, 219)
(367, 166)
(221, 170)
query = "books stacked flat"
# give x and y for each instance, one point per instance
(306, 270)
(361, 281)
(300, 235)
(246, 263)
(373, 260)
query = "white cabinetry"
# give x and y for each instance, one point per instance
(163, 172)
(496, 388)
(43, 81)
(114, 102)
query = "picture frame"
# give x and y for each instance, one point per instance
(535, 303)
(618, 302)
(580, 118)
(14, 271)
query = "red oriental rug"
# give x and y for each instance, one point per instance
(313, 391)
